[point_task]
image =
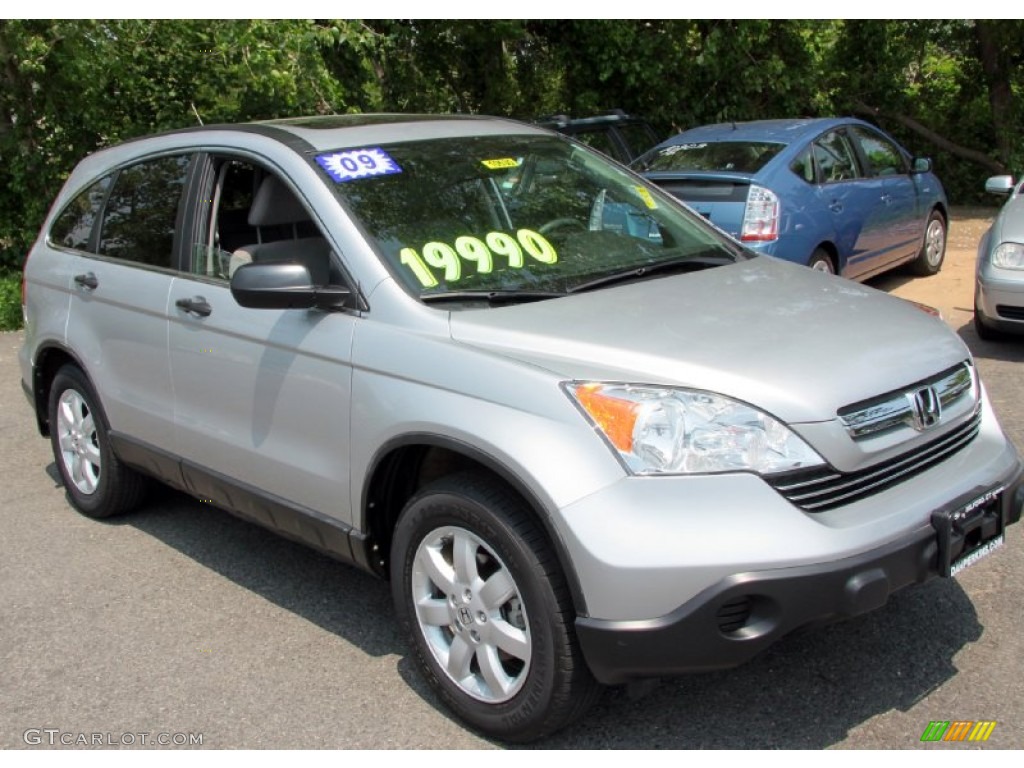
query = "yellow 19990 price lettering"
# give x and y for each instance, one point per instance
(480, 252)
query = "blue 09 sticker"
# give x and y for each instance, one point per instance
(358, 164)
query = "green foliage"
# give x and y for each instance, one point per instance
(68, 87)
(10, 301)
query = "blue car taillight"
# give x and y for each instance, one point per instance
(761, 217)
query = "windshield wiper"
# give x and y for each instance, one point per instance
(505, 296)
(685, 264)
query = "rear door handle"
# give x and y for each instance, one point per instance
(836, 206)
(88, 280)
(887, 198)
(197, 305)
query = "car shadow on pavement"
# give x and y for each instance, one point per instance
(1009, 349)
(807, 692)
(336, 597)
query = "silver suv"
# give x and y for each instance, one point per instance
(587, 437)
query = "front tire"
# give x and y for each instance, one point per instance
(97, 483)
(984, 332)
(485, 607)
(933, 250)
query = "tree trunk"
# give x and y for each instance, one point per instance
(992, 56)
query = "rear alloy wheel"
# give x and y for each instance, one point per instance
(933, 250)
(821, 261)
(486, 610)
(97, 483)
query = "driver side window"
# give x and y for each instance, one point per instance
(254, 216)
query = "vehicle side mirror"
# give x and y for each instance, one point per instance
(999, 185)
(921, 165)
(283, 285)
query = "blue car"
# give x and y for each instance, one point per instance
(835, 194)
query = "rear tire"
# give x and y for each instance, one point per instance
(933, 250)
(483, 602)
(821, 261)
(97, 483)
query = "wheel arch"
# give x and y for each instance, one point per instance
(49, 359)
(838, 264)
(406, 463)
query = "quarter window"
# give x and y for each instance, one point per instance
(803, 166)
(141, 213)
(73, 228)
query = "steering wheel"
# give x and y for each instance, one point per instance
(559, 223)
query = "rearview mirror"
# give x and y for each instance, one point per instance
(921, 165)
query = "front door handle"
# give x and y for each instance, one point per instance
(88, 280)
(836, 206)
(197, 305)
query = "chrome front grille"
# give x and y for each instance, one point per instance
(823, 488)
(918, 406)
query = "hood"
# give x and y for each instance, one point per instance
(794, 342)
(1010, 222)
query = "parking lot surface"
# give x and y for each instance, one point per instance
(181, 620)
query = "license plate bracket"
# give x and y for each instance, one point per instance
(967, 532)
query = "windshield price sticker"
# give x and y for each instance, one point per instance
(480, 252)
(501, 162)
(358, 164)
(645, 195)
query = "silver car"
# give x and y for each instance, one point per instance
(562, 414)
(999, 283)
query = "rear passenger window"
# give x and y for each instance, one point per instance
(73, 228)
(834, 157)
(141, 213)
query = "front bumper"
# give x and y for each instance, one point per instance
(732, 621)
(999, 299)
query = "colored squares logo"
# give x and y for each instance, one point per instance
(958, 730)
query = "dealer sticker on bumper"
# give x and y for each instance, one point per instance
(985, 549)
(968, 532)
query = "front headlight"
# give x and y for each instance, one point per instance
(658, 430)
(1008, 256)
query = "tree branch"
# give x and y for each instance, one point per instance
(941, 142)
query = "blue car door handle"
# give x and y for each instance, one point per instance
(836, 206)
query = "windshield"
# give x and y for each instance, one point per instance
(511, 214)
(735, 156)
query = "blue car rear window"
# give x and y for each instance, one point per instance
(736, 156)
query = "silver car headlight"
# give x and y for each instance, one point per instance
(1008, 256)
(662, 430)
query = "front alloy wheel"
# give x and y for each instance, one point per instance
(933, 250)
(471, 613)
(488, 615)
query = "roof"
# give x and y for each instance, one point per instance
(780, 131)
(327, 132)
